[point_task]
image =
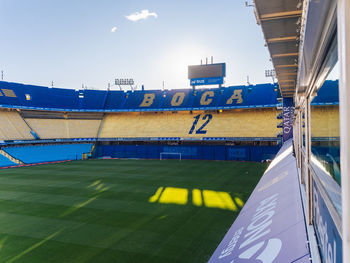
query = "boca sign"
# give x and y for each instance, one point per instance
(206, 98)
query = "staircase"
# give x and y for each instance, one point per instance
(11, 158)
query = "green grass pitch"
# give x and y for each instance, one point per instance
(121, 210)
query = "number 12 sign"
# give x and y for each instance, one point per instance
(207, 118)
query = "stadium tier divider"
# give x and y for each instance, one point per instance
(48, 153)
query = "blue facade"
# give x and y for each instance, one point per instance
(329, 238)
(328, 94)
(14, 95)
(190, 152)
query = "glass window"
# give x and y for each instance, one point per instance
(303, 127)
(325, 131)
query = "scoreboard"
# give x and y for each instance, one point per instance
(209, 74)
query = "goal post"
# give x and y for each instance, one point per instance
(163, 155)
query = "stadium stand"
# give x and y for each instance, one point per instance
(230, 123)
(48, 153)
(83, 128)
(13, 127)
(325, 121)
(236, 123)
(59, 125)
(49, 129)
(61, 128)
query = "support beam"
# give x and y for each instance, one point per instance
(283, 55)
(286, 80)
(287, 66)
(344, 113)
(300, 142)
(287, 86)
(281, 15)
(309, 188)
(286, 77)
(287, 74)
(281, 39)
(287, 90)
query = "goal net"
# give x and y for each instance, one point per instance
(170, 156)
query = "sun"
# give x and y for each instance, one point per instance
(176, 61)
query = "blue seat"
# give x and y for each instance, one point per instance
(49, 153)
(4, 161)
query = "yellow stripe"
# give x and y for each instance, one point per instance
(34, 247)
(197, 197)
(78, 206)
(2, 242)
(239, 202)
(173, 195)
(155, 197)
(226, 198)
(94, 183)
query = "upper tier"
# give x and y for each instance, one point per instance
(15, 95)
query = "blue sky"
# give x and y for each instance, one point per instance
(71, 42)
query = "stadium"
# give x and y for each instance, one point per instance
(245, 173)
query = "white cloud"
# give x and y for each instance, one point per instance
(144, 14)
(114, 29)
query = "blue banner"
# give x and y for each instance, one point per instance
(288, 117)
(328, 237)
(207, 81)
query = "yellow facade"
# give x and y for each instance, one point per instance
(233, 123)
(12, 126)
(229, 123)
(61, 128)
(325, 121)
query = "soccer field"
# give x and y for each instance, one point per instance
(121, 210)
